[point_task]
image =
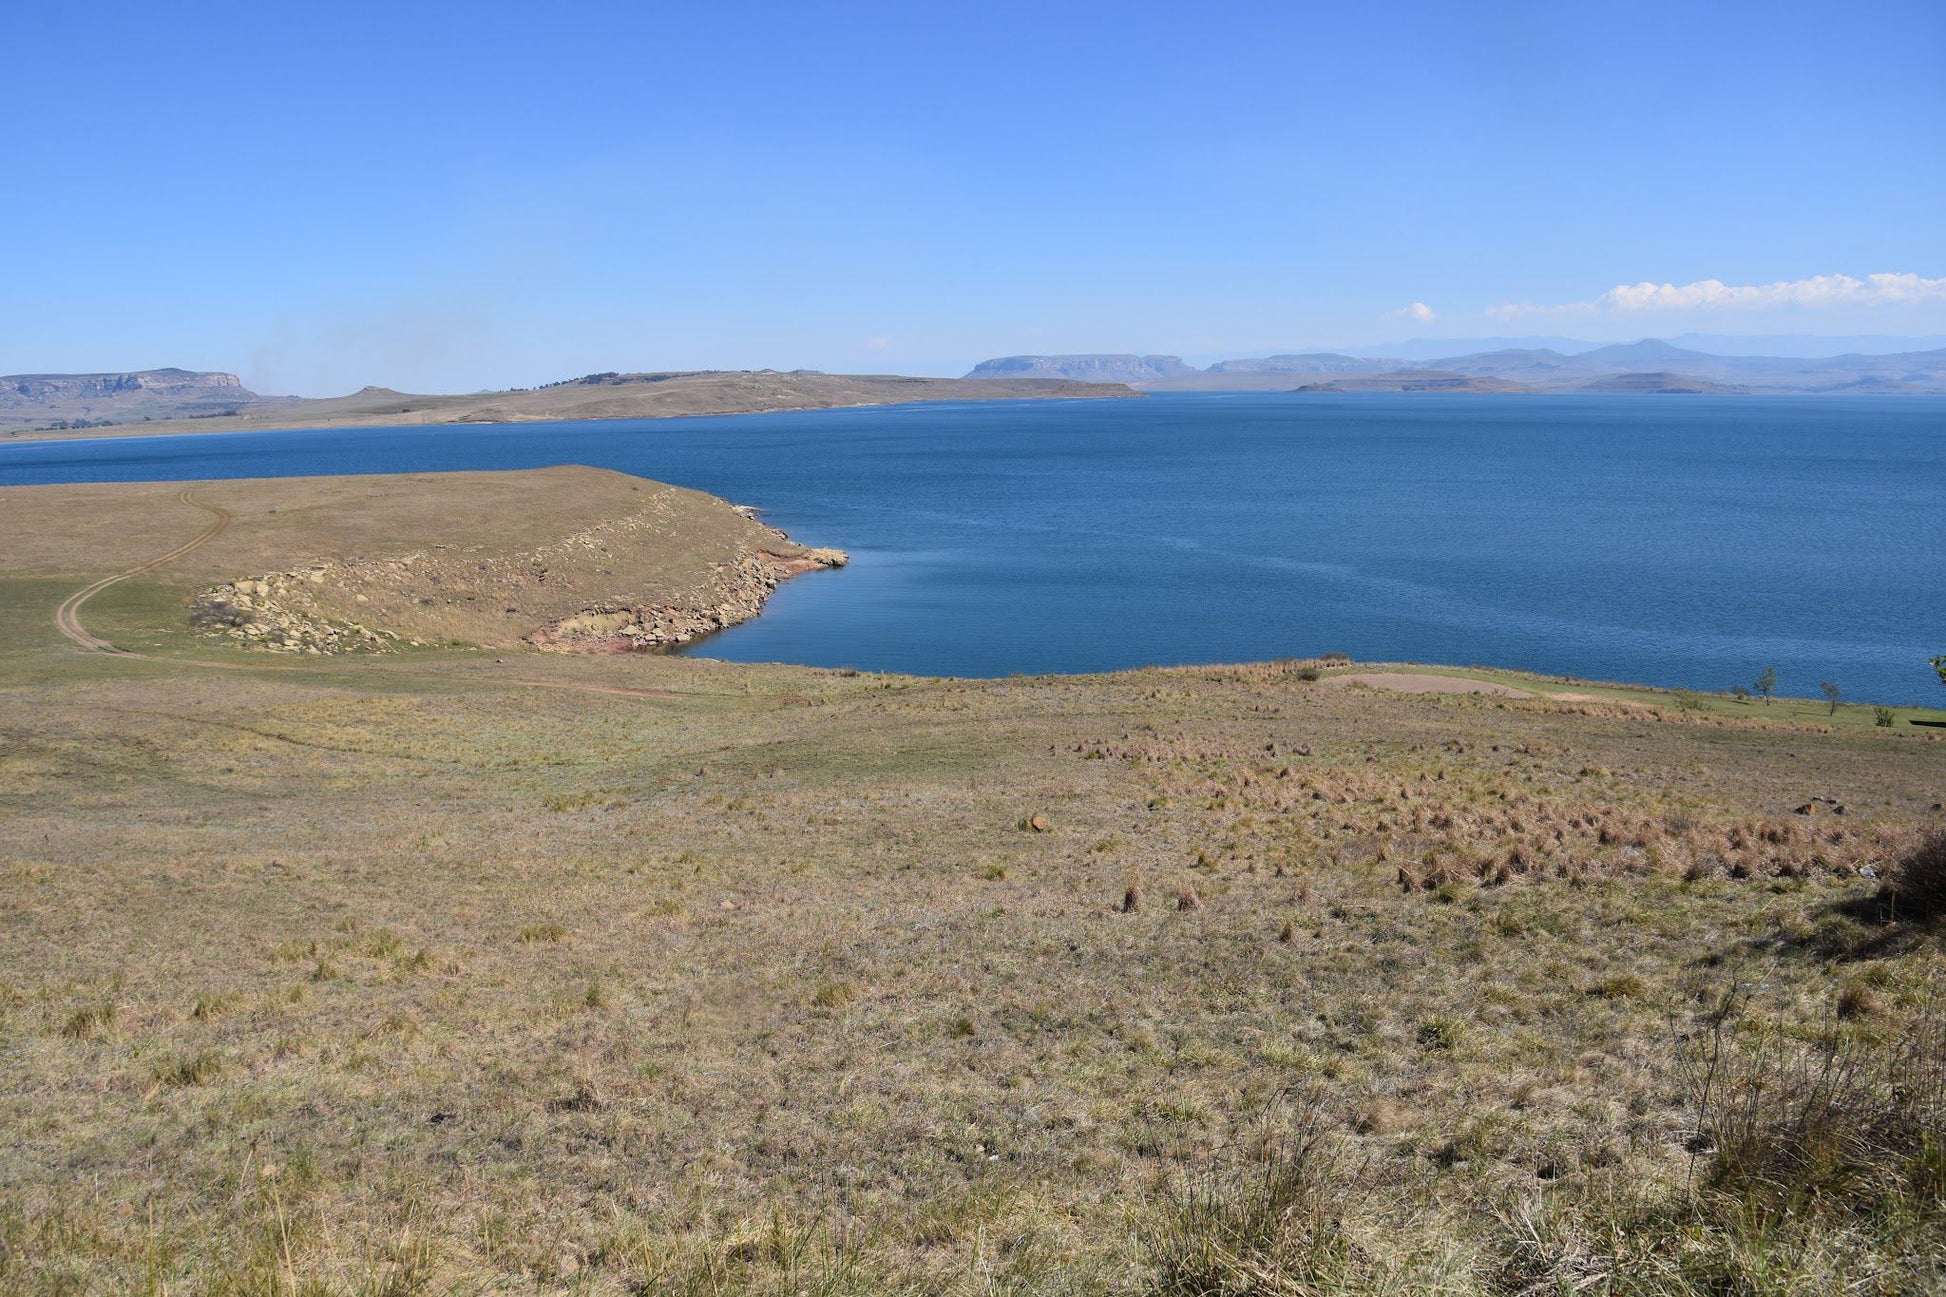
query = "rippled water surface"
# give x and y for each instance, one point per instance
(1672, 540)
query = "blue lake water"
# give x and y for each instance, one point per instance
(1682, 541)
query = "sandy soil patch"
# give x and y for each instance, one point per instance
(1406, 682)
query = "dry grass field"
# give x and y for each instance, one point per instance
(451, 970)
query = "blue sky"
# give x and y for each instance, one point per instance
(453, 197)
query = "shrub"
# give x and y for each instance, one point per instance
(1917, 888)
(1882, 717)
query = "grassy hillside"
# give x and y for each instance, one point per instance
(460, 971)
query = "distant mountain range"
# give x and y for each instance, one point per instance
(1087, 369)
(1647, 366)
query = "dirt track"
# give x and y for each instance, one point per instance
(67, 618)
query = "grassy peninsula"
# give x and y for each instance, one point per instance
(462, 966)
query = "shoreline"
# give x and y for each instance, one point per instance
(1496, 686)
(359, 423)
(611, 627)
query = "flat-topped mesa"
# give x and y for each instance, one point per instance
(93, 400)
(49, 387)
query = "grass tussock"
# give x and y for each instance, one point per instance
(1849, 1121)
(1815, 1165)
(89, 1022)
(1268, 1221)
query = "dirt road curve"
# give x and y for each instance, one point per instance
(68, 617)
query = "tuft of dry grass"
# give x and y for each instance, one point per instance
(89, 1021)
(189, 1069)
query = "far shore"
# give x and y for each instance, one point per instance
(602, 396)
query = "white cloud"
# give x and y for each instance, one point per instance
(1714, 294)
(878, 343)
(1418, 312)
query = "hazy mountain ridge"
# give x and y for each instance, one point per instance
(1414, 380)
(1106, 368)
(1312, 362)
(1650, 365)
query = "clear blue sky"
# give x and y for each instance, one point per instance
(447, 197)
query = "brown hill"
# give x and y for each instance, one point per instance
(622, 396)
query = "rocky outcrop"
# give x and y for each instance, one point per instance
(278, 613)
(742, 589)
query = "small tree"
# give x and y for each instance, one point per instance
(1766, 683)
(1939, 665)
(1830, 695)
